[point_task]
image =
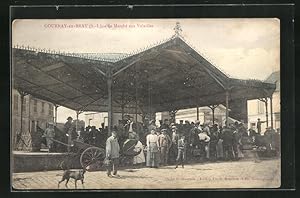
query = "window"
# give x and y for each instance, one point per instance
(261, 107)
(35, 106)
(50, 109)
(43, 107)
(16, 102)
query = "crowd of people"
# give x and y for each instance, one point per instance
(173, 143)
(58, 139)
(176, 143)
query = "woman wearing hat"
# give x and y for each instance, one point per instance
(152, 126)
(140, 158)
(68, 130)
(152, 150)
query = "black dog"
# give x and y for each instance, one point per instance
(75, 174)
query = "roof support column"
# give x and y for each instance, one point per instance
(213, 115)
(136, 98)
(22, 94)
(173, 116)
(213, 107)
(55, 118)
(265, 100)
(271, 109)
(29, 118)
(110, 108)
(267, 117)
(122, 105)
(197, 113)
(227, 106)
(77, 115)
(149, 99)
(21, 121)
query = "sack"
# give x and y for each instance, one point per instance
(107, 162)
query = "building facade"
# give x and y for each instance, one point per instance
(205, 115)
(35, 113)
(257, 108)
(95, 119)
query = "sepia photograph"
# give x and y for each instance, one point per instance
(141, 104)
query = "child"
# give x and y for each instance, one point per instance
(181, 151)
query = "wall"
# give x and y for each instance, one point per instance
(31, 118)
(205, 115)
(256, 109)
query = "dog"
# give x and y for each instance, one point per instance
(75, 174)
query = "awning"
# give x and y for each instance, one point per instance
(169, 76)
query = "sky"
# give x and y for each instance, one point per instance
(241, 48)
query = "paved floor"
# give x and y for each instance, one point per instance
(241, 174)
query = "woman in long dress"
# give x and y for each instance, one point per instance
(152, 150)
(140, 158)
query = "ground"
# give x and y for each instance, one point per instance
(239, 174)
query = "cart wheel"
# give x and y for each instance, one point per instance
(91, 155)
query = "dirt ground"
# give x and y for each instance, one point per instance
(238, 174)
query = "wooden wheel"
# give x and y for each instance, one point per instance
(91, 155)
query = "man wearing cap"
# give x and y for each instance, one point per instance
(165, 143)
(130, 126)
(181, 127)
(187, 129)
(258, 125)
(175, 138)
(112, 153)
(194, 139)
(165, 125)
(194, 134)
(49, 135)
(181, 151)
(228, 138)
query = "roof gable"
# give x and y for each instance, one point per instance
(170, 75)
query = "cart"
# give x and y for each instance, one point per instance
(90, 154)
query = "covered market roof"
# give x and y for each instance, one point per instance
(168, 76)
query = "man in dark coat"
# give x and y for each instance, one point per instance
(194, 139)
(130, 125)
(165, 144)
(187, 129)
(258, 125)
(214, 138)
(68, 130)
(227, 137)
(236, 143)
(195, 130)
(175, 138)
